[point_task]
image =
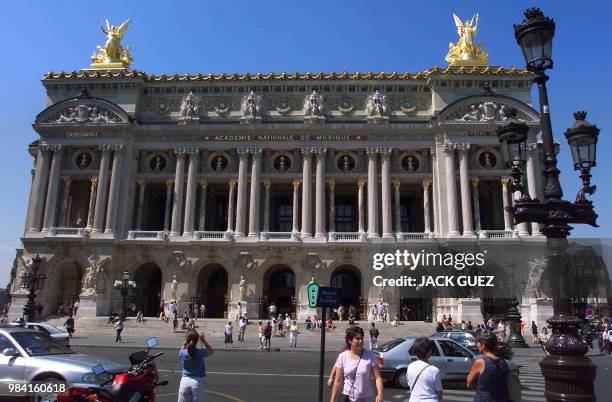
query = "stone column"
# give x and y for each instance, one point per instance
(203, 191)
(385, 156)
(64, 206)
(54, 178)
(102, 189)
(192, 188)
(296, 206)
(320, 194)
(168, 210)
(466, 199)
(113, 197)
(396, 210)
(361, 205)
(506, 204)
(243, 155)
(332, 205)
(39, 185)
(255, 193)
(372, 193)
(266, 223)
(306, 192)
(523, 227)
(92, 201)
(434, 192)
(141, 198)
(451, 190)
(532, 182)
(476, 202)
(230, 207)
(179, 185)
(426, 207)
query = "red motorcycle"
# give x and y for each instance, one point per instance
(138, 384)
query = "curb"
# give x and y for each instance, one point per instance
(124, 346)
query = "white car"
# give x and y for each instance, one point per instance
(48, 329)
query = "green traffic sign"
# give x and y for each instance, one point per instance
(313, 294)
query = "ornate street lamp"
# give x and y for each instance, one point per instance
(32, 281)
(569, 375)
(124, 285)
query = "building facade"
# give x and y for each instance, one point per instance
(222, 189)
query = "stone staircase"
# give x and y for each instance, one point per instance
(152, 326)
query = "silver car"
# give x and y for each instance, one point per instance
(453, 360)
(28, 355)
(49, 329)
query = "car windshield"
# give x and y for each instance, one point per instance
(39, 344)
(385, 347)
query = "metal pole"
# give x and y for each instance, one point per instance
(322, 354)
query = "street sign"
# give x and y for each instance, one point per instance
(313, 294)
(328, 297)
(589, 313)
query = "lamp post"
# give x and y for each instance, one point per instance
(124, 285)
(32, 281)
(568, 373)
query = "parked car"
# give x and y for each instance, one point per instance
(468, 340)
(463, 338)
(48, 329)
(453, 360)
(29, 355)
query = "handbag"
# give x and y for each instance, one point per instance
(513, 384)
(347, 398)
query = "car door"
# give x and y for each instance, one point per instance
(458, 360)
(11, 367)
(435, 360)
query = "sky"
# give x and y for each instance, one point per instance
(288, 36)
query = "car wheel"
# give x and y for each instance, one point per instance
(48, 396)
(401, 380)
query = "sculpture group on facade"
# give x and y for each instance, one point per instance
(190, 106)
(94, 279)
(112, 54)
(313, 105)
(251, 106)
(485, 112)
(86, 114)
(466, 51)
(376, 106)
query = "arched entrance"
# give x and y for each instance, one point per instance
(147, 296)
(212, 290)
(67, 286)
(416, 303)
(279, 288)
(348, 279)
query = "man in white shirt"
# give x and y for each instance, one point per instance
(424, 379)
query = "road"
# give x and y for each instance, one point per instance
(285, 376)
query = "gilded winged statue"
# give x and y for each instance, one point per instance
(113, 52)
(466, 51)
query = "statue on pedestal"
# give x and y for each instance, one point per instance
(174, 287)
(243, 288)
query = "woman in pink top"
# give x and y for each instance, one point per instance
(353, 370)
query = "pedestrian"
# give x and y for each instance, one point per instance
(267, 336)
(75, 307)
(133, 308)
(501, 330)
(4, 320)
(192, 358)
(489, 373)
(279, 322)
(380, 312)
(260, 334)
(293, 333)
(238, 312)
(241, 329)
(228, 335)
(543, 338)
(534, 331)
(118, 327)
(374, 337)
(174, 322)
(478, 329)
(140, 316)
(353, 370)
(202, 310)
(69, 324)
(470, 327)
(607, 336)
(423, 378)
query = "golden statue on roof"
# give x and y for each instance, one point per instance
(112, 55)
(466, 52)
